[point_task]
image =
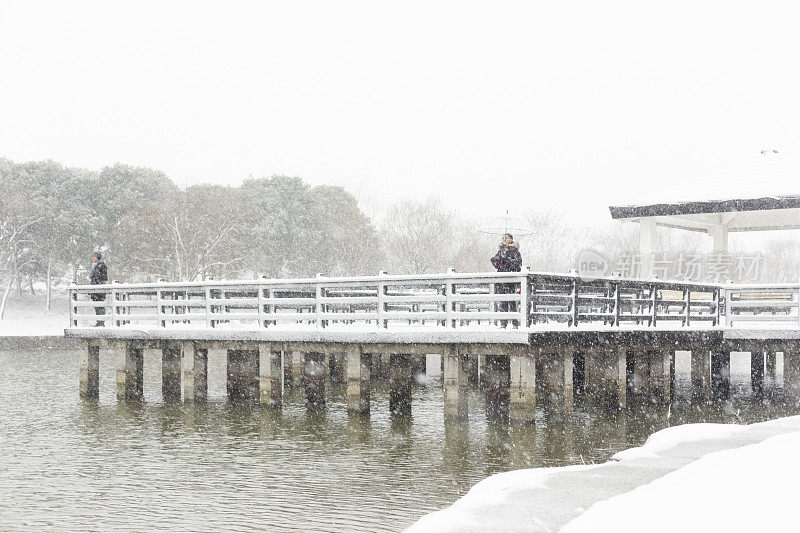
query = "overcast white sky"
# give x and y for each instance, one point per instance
(570, 105)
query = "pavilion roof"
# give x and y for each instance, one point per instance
(745, 209)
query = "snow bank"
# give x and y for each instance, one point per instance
(752, 488)
(683, 478)
(490, 501)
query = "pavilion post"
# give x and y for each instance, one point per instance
(647, 241)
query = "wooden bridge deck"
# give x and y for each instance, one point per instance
(614, 336)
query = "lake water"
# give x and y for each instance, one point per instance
(74, 465)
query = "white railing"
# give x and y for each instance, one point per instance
(443, 301)
(767, 306)
(452, 301)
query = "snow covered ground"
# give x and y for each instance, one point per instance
(26, 316)
(695, 477)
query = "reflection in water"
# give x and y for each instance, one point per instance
(72, 464)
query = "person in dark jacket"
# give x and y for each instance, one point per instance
(507, 259)
(98, 276)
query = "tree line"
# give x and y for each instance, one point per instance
(53, 217)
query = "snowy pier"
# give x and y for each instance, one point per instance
(523, 336)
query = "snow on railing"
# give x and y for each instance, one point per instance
(766, 306)
(440, 301)
(450, 301)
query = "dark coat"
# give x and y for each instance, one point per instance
(99, 276)
(99, 273)
(507, 259)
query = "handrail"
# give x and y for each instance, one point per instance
(442, 301)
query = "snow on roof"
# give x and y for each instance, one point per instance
(764, 183)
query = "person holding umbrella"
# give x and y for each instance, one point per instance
(507, 259)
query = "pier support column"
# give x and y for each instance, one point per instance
(791, 371)
(591, 371)
(557, 380)
(640, 372)
(314, 377)
(130, 370)
(171, 371)
(456, 375)
(720, 372)
(771, 364)
(400, 379)
(195, 372)
(660, 375)
(358, 376)
(242, 380)
(611, 389)
(701, 372)
(497, 382)
(757, 371)
(89, 372)
(297, 367)
(523, 388)
(337, 368)
(433, 366)
(380, 366)
(270, 378)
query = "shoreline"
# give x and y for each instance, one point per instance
(657, 475)
(15, 342)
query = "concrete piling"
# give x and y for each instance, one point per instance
(401, 377)
(456, 375)
(640, 374)
(433, 366)
(557, 381)
(89, 372)
(701, 372)
(297, 367)
(242, 376)
(314, 378)
(270, 379)
(791, 371)
(612, 387)
(522, 398)
(757, 372)
(337, 368)
(605, 378)
(130, 370)
(771, 365)
(195, 372)
(496, 374)
(660, 375)
(720, 373)
(171, 371)
(358, 377)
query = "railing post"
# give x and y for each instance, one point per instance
(687, 310)
(209, 322)
(158, 309)
(448, 299)
(381, 301)
(112, 313)
(532, 298)
(796, 298)
(615, 322)
(575, 288)
(525, 318)
(653, 305)
(73, 297)
(318, 304)
(260, 304)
